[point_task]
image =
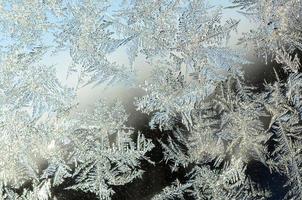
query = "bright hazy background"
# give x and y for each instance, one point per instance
(88, 95)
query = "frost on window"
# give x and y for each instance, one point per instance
(207, 123)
